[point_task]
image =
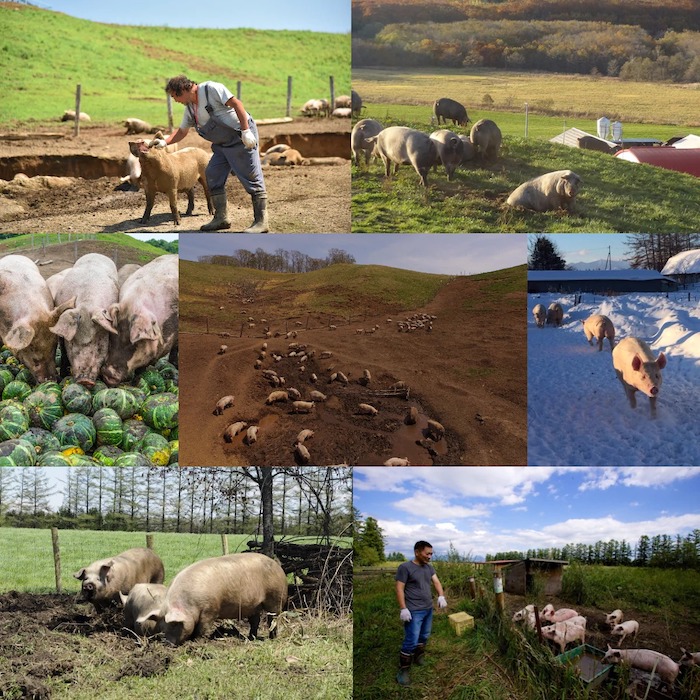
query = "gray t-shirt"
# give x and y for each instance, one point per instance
(417, 580)
(219, 94)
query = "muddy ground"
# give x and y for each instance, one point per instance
(471, 381)
(309, 199)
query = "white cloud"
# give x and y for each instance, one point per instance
(605, 477)
(436, 507)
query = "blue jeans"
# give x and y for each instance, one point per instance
(417, 630)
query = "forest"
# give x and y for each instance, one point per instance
(314, 501)
(631, 41)
(280, 261)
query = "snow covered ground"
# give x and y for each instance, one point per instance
(578, 413)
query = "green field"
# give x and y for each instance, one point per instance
(122, 69)
(31, 241)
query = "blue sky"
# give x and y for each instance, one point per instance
(586, 247)
(448, 253)
(315, 15)
(488, 509)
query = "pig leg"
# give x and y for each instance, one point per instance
(190, 201)
(150, 198)
(271, 623)
(172, 196)
(600, 343)
(387, 167)
(254, 621)
(629, 391)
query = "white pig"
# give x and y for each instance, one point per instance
(690, 658)
(637, 370)
(562, 633)
(231, 587)
(625, 628)
(141, 599)
(540, 314)
(599, 327)
(615, 617)
(559, 615)
(105, 579)
(645, 660)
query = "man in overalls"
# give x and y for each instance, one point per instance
(220, 117)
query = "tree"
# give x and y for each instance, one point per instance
(370, 542)
(396, 556)
(543, 254)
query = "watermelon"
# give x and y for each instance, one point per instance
(174, 451)
(53, 458)
(42, 439)
(14, 419)
(109, 426)
(5, 378)
(77, 399)
(156, 448)
(24, 375)
(107, 455)
(139, 394)
(44, 408)
(17, 453)
(171, 387)
(132, 459)
(16, 389)
(169, 372)
(50, 387)
(120, 400)
(174, 434)
(99, 386)
(160, 411)
(151, 381)
(134, 430)
(5, 354)
(78, 460)
(75, 429)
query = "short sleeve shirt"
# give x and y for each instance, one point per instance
(417, 579)
(219, 94)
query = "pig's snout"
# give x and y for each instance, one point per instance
(84, 381)
(88, 590)
(654, 390)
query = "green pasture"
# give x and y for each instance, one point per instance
(31, 241)
(616, 196)
(27, 565)
(123, 69)
(654, 110)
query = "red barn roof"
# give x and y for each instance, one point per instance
(685, 160)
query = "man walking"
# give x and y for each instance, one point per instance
(415, 598)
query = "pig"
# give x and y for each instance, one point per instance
(637, 370)
(548, 192)
(363, 130)
(103, 580)
(400, 145)
(562, 633)
(54, 282)
(645, 660)
(93, 283)
(625, 628)
(231, 587)
(523, 614)
(142, 598)
(467, 148)
(144, 321)
(355, 103)
(222, 404)
(446, 108)
(560, 615)
(137, 126)
(449, 148)
(486, 138)
(614, 618)
(125, 271)
(27, 312)
(599, 327)
(540, 314)
(555, 315)
(689, 658)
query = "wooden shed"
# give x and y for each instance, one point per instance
(518, 574)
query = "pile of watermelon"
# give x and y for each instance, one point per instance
(67, 424)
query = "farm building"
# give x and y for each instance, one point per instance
(519, 574)
(601, 281)
(684, 267)
(684, 160)
(689, 141)
(571, 137)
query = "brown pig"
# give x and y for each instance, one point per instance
(105, 579)
(231, 587)
(26, 313)
(637, 370)
(141, 598)
(599, 327)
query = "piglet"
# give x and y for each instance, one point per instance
(638, 370)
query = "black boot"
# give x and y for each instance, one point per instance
(220, 220)
(260, 224)
(419, 655)
(404, 666)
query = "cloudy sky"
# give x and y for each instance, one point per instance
(448, 253)
(484, 510)
(314, 15)
(587, 247)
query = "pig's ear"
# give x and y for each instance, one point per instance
(661, 361)
(145, 327)
(123, 598)
(105, 570)
(150, 615)
(175, 616)
(111, 319)
(67, 324)
(101, 320)
(56, 313)
(636, 363)
(79, 574)
(19, 337)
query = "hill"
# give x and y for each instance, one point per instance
(123, 69)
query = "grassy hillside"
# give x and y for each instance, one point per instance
(123, 69)
(617, 196)
(28, 241)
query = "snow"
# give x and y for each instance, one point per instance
(685, 263)
(578, 414)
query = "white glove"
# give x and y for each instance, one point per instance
(442, 603)
(405, 615)
(248, 138)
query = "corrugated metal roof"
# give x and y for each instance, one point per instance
(571, 136)
(684, 160)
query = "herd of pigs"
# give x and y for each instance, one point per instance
(634, 362)
(230, 587)
(401, 145)
(110, 322)
(566, 625)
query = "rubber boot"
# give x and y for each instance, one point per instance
(220, 219)
(260, 224)
(403, 677)
(419, 655)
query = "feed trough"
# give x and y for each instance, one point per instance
(588, 663)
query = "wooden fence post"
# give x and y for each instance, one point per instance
(76, 127)
(332, 87)
(472, 587)
(238, 89)
(56, 558)
(498, 590)
(149, 540)
(289, 95)
(170, 113)
(224, 543)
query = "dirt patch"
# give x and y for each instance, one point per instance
(467, 374)
(312, 198)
